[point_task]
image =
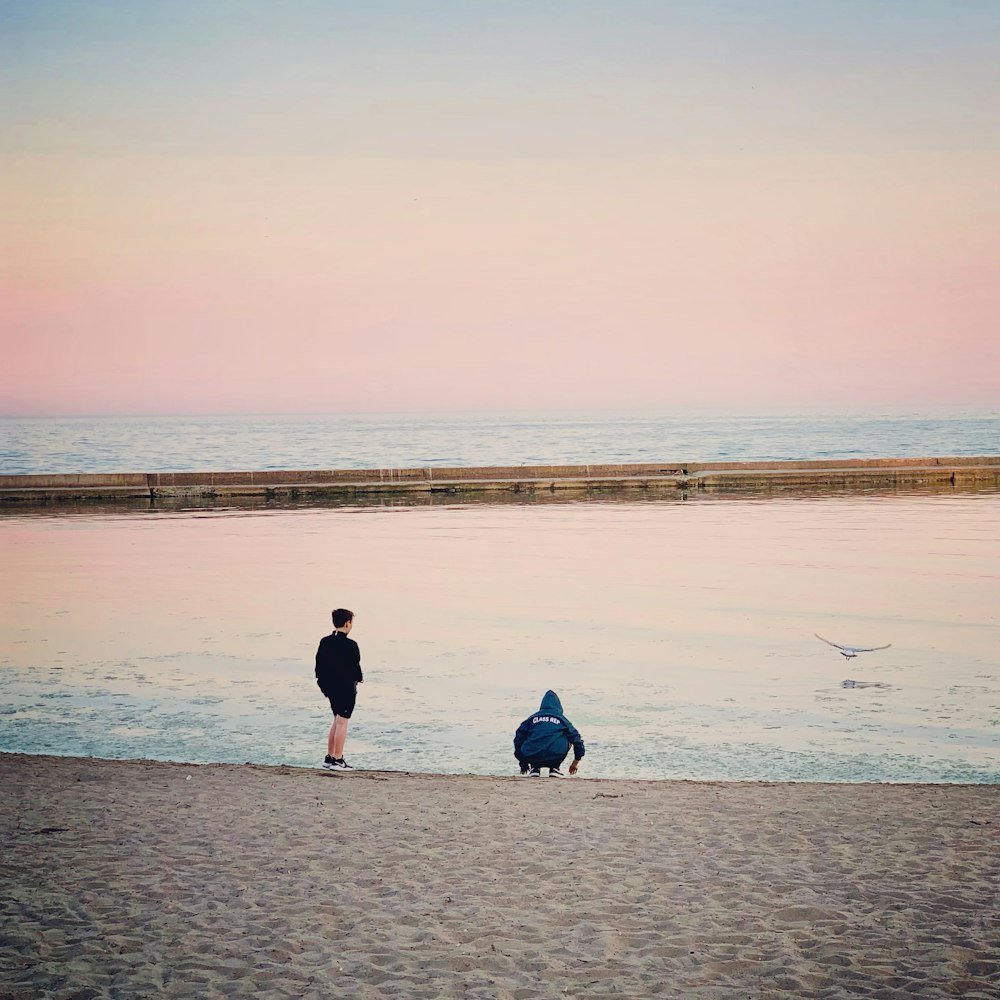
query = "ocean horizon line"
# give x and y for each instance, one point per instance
(112, 444)
(686, 413)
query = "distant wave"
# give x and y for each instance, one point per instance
(181, 444)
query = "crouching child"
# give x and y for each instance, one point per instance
(544, 738)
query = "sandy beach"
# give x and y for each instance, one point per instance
(142, 879)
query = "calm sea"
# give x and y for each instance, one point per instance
(679, 633)
(175, 444)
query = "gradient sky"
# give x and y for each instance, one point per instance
(321, 206)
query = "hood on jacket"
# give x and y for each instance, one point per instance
(550, 703)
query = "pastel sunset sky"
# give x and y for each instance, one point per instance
(241, 206)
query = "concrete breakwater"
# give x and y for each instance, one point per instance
(663, 477)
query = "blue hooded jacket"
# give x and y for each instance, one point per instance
(547, 734)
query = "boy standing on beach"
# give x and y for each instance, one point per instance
(338, 674)
(544, 739)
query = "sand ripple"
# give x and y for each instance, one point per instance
(142, 879)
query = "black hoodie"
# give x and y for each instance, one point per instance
(547, 734)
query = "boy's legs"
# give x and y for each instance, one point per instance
(554, 763)
(338, 736)
(535, 765)
(342, 703)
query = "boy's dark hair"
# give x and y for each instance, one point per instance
(341, 617)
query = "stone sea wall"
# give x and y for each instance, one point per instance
(663, 477)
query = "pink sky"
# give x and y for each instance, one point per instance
(605, 212)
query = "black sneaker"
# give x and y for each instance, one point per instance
(329, 763)
(534, 771)
(342, 765)
(554, 772)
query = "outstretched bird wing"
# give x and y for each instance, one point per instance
(836, 645)
(852, 649)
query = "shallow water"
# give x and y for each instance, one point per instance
(679, 634)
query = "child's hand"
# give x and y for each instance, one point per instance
(575, 766)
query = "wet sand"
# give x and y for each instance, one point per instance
(140, 879)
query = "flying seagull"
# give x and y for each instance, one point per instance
(851, 651)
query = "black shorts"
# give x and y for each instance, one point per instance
(342, 703)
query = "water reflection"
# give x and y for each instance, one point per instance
(679, 634)
(451, 499)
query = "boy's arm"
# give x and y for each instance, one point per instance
(359, 677)
(577, 740)
(578, 748)
(520, 736)
(320, 671)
